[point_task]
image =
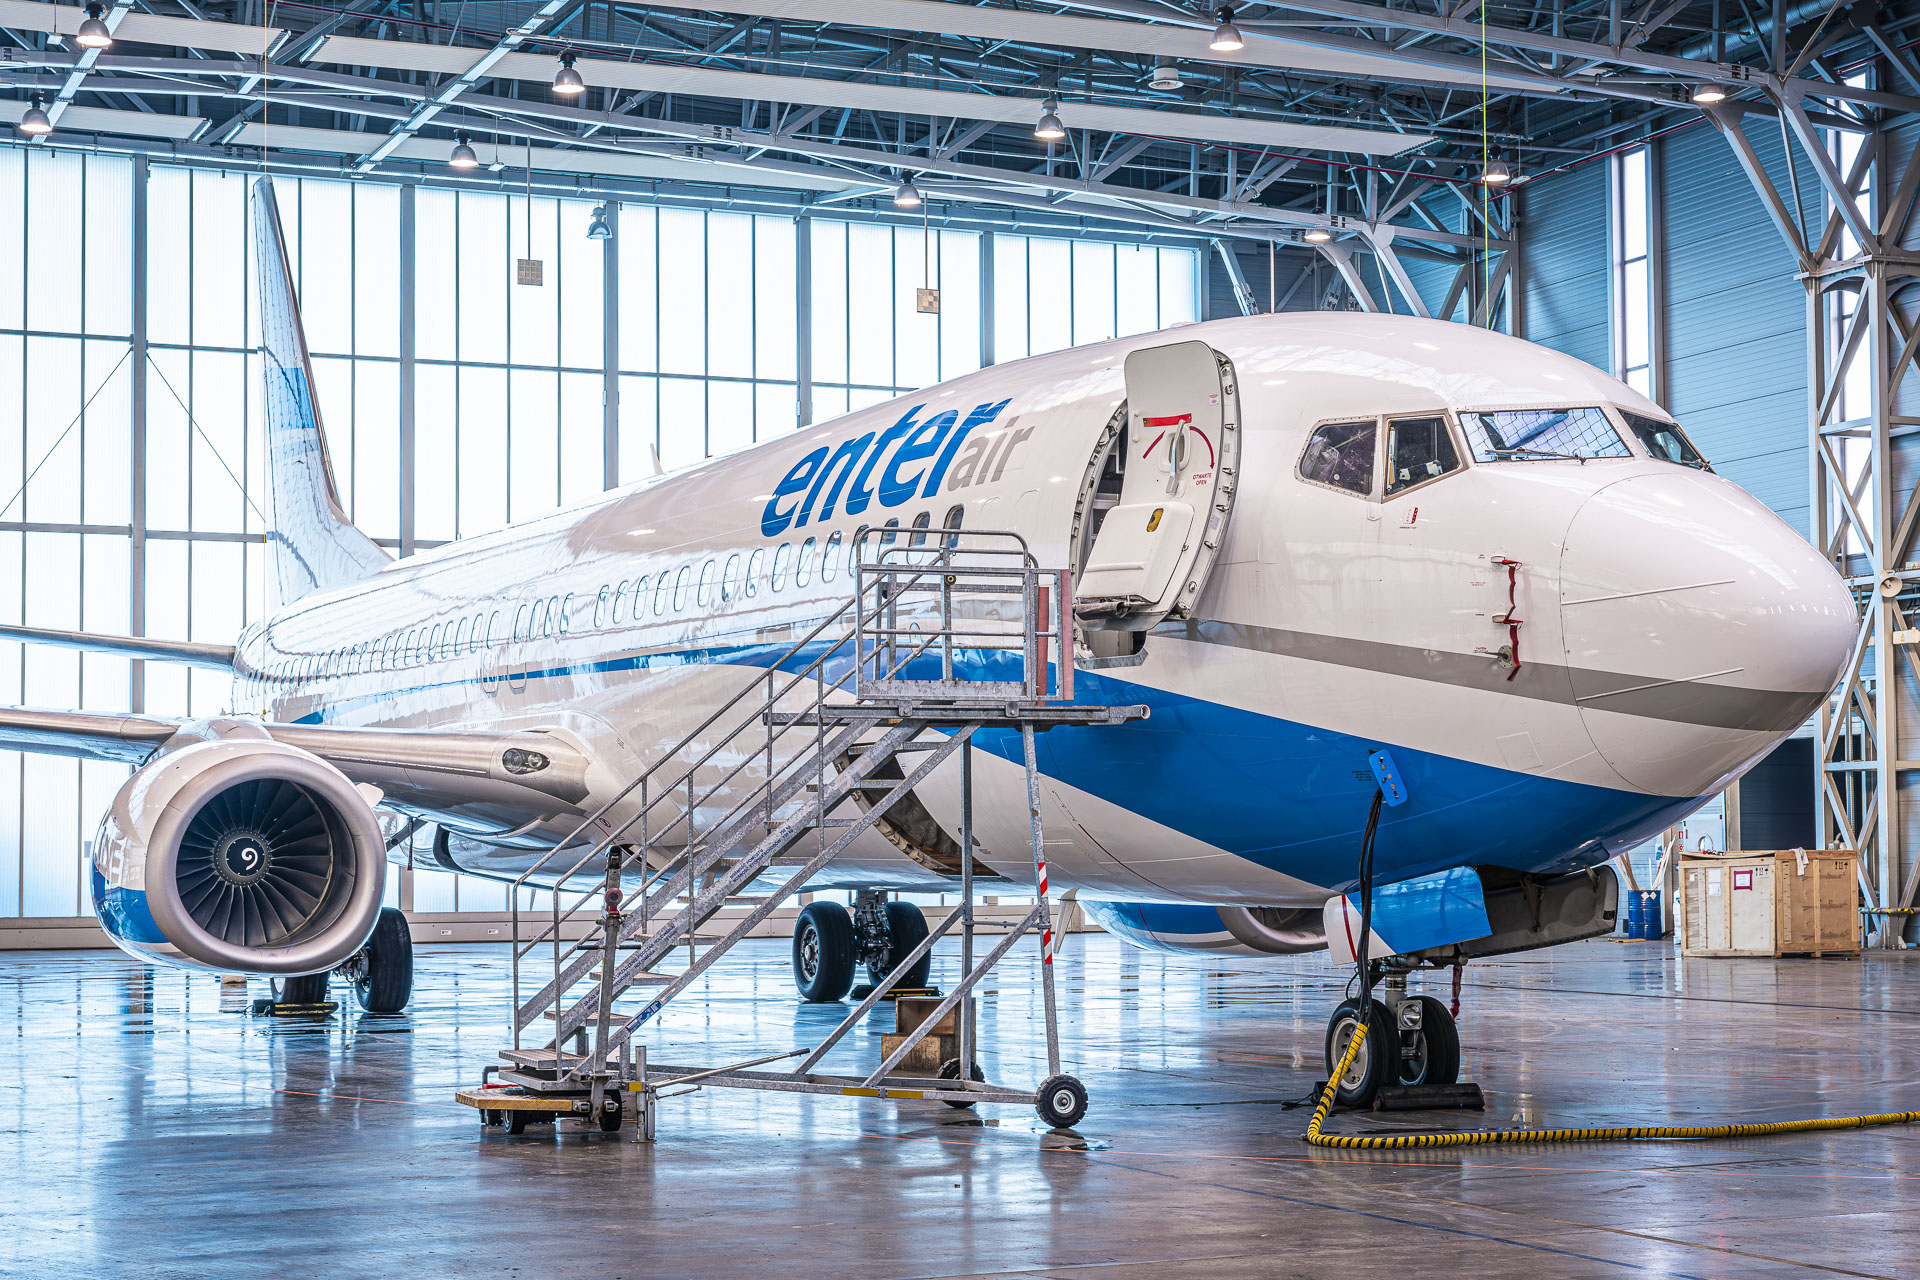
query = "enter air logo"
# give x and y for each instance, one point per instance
(843, 477)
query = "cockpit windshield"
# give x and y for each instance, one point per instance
(1529, 435)
(1664, 440)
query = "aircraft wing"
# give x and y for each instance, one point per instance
(529, 772)
(217, 656)
(90, 736)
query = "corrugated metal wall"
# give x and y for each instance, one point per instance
(1737, 317)
(1566, 257)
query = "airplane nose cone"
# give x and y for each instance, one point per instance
(1699, 628)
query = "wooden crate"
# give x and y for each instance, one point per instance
(1773, 903)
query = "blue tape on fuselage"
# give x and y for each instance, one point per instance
(1432, 911)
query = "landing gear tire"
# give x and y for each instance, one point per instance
(1436, 1050)
(950, 1070)
(823, 951)
(383, 979)
(1370, 1066)
(1062, 1102)
(309, 988)
(906, 929)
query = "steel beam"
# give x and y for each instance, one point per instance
(547, 15)
(83, 64)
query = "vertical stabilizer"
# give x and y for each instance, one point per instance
(315, 546)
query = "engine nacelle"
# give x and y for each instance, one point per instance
(240, 855)
(1186, 929)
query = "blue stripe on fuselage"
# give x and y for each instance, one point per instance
(1288, 796)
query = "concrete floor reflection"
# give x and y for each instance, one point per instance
(156, 1130)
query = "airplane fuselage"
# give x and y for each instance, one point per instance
(1565, 656)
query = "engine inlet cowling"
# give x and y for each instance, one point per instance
(240, 855)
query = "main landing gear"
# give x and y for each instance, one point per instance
(380, 973)
(829, 942)
(1418, 1033)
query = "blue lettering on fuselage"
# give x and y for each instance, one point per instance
(819, 482)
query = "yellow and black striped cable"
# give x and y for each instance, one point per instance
(1624, 1133)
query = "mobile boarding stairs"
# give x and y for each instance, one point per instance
(938, 642)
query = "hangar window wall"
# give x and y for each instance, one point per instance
(508, 407)
(1632, 275)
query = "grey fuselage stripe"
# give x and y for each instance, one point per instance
(1715, 705)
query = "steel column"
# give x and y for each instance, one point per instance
(409, 345)
(137, 444)
(610, 348)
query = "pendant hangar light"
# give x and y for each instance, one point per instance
(1709, 93)
(566, 81)
(1226, 36)
(463, 156)
(1166, 76)
(35, 121)
(1050, 129)
(93, 33)
(598, 228)
(907, 197)
(1497, 174)
(1317, 235)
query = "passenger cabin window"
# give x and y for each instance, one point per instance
(803, 566)
(680, 581)
(920, 523)
(566, 609)
(830, 558)
(754, 565)
(1535, 435)
(956, 516)
(780, 558)
(1418, 450)
(1664, 440)
(730, 580)
(703, 595)
(660, 586)
(1340, 454)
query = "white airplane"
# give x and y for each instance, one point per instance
(1297, 538)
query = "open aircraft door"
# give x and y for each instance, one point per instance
(1174, 452)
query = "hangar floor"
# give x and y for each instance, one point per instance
(155, 1131)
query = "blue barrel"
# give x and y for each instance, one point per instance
(1636, 916)
(1643, 913)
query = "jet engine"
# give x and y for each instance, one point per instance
(1186, 929)
(241, 855)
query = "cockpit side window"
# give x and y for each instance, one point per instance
(1534, 435)
(1341, 454)
(1418, 450)
(1664, 440)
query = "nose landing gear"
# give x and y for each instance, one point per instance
(1420, 1041)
